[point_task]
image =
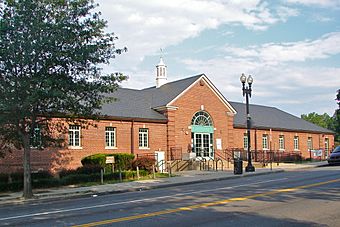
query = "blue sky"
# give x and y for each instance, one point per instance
(290, 47)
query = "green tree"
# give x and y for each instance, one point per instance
(50, 57)
(336, 118)
(323, 120)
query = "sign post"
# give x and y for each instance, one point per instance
(111, 160)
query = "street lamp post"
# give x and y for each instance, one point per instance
(247, 92)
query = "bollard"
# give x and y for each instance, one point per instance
(101, 176)
(120, 175)
(153, 171)
(138, 177)
(169, 170)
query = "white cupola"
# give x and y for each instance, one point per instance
(161, 77)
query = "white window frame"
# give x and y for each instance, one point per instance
(310, 143)
(143, 138)
(110, 137)
(265, 142)
(72, 140)
(35, 139)
(245, 141)
(281, 142)
(327, 144)
(296, 143)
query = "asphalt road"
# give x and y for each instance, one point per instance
(297, 198)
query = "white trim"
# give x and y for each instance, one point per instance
(212, 87)
(165, 108)
(111, 148)
(75, 147)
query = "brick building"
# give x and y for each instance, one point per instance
(185, 116)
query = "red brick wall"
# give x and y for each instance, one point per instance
(317, 138)
(201, 95)
(92, 142)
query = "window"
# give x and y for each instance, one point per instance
(326, 145)
(35, 140)
(201, 118)
(296, 143)
(310, 143)
(281, 142)
(245, 141)
(264, 141)
(74, 136)
(110, 137)
(144, 138)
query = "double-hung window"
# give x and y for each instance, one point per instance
(143, 138)
(281, 142)
(327, 145)
(310, 143)
(35, 140)
(265, 142)
(296, 143)
(74, 136)
(110, 137)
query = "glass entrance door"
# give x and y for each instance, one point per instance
(202, 144)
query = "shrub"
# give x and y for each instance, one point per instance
(96, 159)
(144, 163)
(45, 183)
(42, 175)
(122, 161)
(66, 172)
(80, 178)
(14, 186)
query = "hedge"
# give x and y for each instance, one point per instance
(122, 161)
(72, 178)
(144, 163)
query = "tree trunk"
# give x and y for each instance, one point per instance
(27, 169)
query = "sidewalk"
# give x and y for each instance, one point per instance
(181, 178)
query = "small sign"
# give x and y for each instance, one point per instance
(316, 153)
(219, 144)
(110, 159)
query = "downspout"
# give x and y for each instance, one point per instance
(132, 138)
(255, 135)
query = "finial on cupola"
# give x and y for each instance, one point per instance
(161, 76)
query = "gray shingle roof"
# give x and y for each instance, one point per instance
(265, 117)
(138, 104)
(130, 104)
(169, 91)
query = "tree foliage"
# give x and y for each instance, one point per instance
(50, 57)
(336, 118)
(326, 121)
(323, 120)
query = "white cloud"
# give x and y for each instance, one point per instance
(293, 88)
(322, 3)
(301, 51)
(146, 26)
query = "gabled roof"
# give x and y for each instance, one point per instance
(140, 104)
(166, 93)
(132, 104)
(265, 117)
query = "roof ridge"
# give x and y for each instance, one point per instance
(175, 81)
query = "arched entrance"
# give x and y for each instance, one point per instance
(202, 133)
